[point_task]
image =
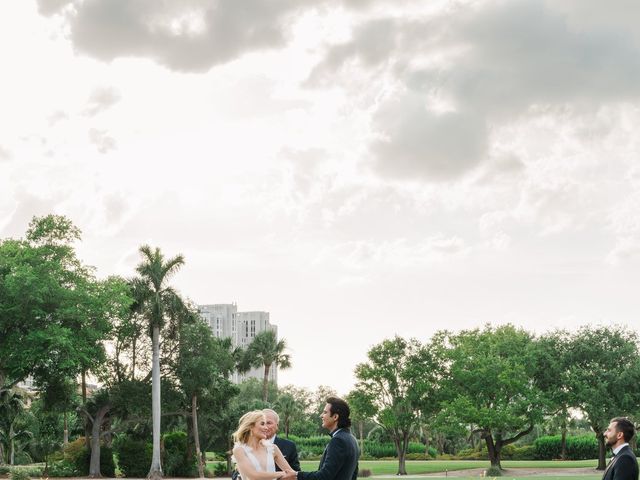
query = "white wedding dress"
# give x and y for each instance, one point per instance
(271, 464)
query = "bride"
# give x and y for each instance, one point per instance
(255, 456)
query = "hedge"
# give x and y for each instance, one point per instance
(314, 446)
(134, 456)
(582, 447)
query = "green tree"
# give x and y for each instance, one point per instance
(160, 304)
(603, 378)
(12, 406)
(552, 368)
(266, 351)
(489, 384)
(399, 380)
(203, 366)
(362, 409)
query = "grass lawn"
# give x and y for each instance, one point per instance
(390, 467)
(417, 467)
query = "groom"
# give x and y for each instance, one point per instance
(340, 458)
(623, 465)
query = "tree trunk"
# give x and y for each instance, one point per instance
(401, 441)
(155, 472)
(361, 432)
(494, 451)
(65, 435)
(563, 441)
(265, 383)
(87, 427)
(94, 463)
(2, 462)
(133, 360)
(12, 446)
(196, 435)
(602, 451)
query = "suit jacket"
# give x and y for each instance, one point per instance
(339, 460)
(624, 466)
(289, 452)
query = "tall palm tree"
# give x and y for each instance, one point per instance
(159, 303)
(267, 350)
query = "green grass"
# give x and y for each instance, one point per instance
(390, 467)
(418, 467)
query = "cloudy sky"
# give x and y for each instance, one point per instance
(358, 168)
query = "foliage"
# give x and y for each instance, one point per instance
(134, 456)
(178, 461)
(604, 363)
(493, 471)
(578, 448)
(398, 383)
(489, 384)
(220, 469)
(19, 475)
(266, 351)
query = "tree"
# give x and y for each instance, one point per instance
(266, 350)
(551, 375)
(203, 366)
(398, 380)
(11, 407)
(604, 372)
(160, 304)
(489, 384)
(362, 409)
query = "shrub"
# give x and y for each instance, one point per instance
(83, 461)
(581, 447)
(365, 472)
(177, 460)
(4, 469)
(493, 472)
(134, 456)
(19, 475)
(220, 469)
(62, 468)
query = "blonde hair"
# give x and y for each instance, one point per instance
(245, 424)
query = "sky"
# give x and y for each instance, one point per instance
(358, 168)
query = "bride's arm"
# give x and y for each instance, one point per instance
(246, 469)
(280, 460)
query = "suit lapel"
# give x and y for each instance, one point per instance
(611, 463)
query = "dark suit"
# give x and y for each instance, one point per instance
(289, 452)
(623, 466)
(339, 460)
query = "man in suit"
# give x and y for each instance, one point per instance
(340, 458)
(623, 465)
(286, 446)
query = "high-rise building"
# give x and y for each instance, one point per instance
(226, 322)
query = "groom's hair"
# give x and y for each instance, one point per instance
(625, 426)
(341, 408)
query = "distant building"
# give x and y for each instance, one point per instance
(226, 322)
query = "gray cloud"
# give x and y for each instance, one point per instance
(102, 140)
(190, 35)
(51, 7)
(431, 145)
(490, 63)
(101, 99)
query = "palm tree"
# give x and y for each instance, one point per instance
(267, 350)
(159, 303)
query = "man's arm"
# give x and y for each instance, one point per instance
(293, 457)
(333, 461)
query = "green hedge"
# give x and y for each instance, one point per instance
(177, 461)
(314, 446)
(134, 456)
(583, 447)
